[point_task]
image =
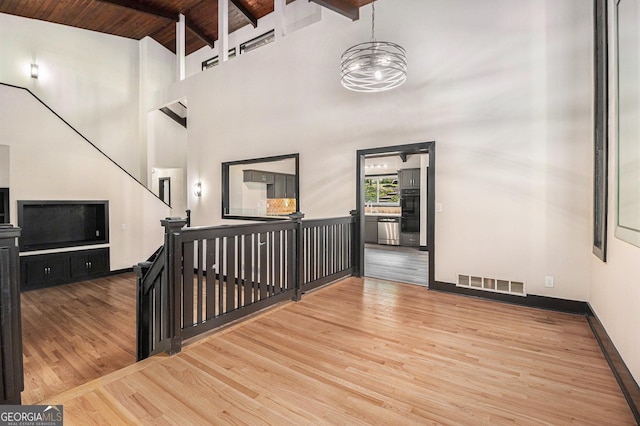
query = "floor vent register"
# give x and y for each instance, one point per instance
(492, 284)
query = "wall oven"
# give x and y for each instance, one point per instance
(410, 210)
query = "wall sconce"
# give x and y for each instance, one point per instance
(197, 189)
(34, 71)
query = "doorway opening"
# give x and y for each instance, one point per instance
(396, 206)
(165, 189)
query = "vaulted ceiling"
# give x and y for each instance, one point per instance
(156, 18)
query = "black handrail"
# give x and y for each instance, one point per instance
(83, 137)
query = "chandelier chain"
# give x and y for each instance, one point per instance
(373, 21)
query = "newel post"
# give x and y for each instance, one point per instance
(173, 277)
(11, 366)
(356, 243)
(299, 256)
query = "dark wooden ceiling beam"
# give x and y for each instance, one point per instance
(343, 7)
(162, 13)
(150, 10)
(246, 12)
(200, 33)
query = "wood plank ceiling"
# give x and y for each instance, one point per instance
(156, 18)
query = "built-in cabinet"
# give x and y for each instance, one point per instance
(258, 176)
(62, 226)
(279, 185)
(45, 270)
(284, 186)
(409, 178)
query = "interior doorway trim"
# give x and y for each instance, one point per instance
(429, 204)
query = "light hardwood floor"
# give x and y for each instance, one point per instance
(370, 352)
(74, 333)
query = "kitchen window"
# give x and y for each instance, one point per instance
(381, 190)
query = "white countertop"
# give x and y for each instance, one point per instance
(383, 214)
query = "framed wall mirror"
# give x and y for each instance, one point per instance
(601, 128)
(261, 188)
(627, 17)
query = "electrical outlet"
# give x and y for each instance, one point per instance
(548, 281)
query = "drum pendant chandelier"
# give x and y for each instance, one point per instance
(374, 66)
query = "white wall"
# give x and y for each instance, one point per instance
(167, 142)
(91, 79)
(615, 291)
(162, 140)
(51, 162)
(503, 87)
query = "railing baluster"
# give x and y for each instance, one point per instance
(256, 267)
(238, 287)
(221, 279)
(211, 279)
(262, 266)
(187, 285)
(200, 287)
(230, 281)
(248, 273)
(276, 265)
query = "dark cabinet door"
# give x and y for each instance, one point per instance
(89, 264)
(404, 176)
(43, 271)
(280, 186)
(284, 186)
(409, 178)
(291, 187)
(79, 266)
(257, 176)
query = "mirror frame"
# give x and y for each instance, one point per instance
(622, 232)
(601, 129)
(225, 184)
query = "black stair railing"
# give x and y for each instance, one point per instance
(206, 277)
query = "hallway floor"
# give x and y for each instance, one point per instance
(395, 263)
